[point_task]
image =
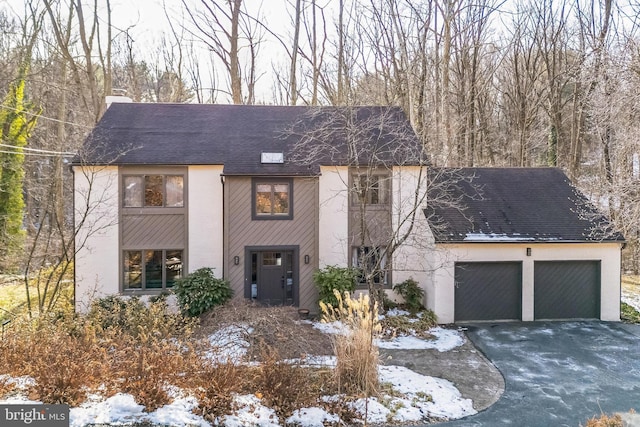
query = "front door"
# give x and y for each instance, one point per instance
(272, 274)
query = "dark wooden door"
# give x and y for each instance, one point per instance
(275, 277)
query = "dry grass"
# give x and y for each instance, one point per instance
(276, 327)
(357, 356)
(394, 326)
(215, 386)
(145, 351)
(284, 386)
(605, 420)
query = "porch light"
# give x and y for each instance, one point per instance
(306, 259)
(236, 260)
(528, 251)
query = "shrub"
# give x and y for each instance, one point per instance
(200, 291)
(333, 278)
(628, 313)
(606, 421)
(412, 294)
(284, 386)
(356, 353)
(133, 317)
(216, 386)
(393, 326)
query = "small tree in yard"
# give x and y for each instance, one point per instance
(16, 122)
(381, 149)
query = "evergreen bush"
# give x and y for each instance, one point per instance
(412, 294)
(200, 291)
(333, 278)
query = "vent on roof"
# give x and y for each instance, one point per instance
(272, 157)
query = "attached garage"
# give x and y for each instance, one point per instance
(518, 244)
(488, 291)
(566, 289)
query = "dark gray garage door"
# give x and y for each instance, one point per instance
(488, 291)
(566, 289)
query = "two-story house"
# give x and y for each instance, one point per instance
(264, 195)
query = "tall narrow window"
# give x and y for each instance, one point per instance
(133, 189)
(272, 199)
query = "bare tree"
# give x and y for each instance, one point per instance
(226, 28)
(91, 45)
(387, 185)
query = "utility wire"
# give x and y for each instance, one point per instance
(36, 154)
(38, 150)
(40, 116)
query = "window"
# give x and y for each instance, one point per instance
(370, 261)
(371, 189)
(153, 191)
(152, 269)
(272, 199)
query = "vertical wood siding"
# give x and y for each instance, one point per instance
(242, 231)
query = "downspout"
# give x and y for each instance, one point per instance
(224, 234)
(73, 207)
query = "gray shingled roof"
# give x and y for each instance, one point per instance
(512, 205)
(235, 136)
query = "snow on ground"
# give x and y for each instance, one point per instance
(228, 344)
(446, 401)
(630, 297)
(312, 417)
(445, 340)
(415, 396)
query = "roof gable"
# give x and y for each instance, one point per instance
(235, 136)
(512, 205)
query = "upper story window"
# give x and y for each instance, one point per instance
(272, 199)
(153, 191)
(371, 189)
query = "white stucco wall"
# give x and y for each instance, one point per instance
(407, 218)
(441, 287)
(333, 227)
(205, 199)
(96, 208)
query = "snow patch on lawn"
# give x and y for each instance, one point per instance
(423, 397)
(445, 340)
(312, 417)
(251, 412)
(228, 344)
(445, 399)
(631, 298)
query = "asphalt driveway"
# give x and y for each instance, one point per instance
(559, 373)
